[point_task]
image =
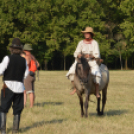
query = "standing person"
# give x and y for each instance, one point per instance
(23, 54)
(14, 69)
(29, 81)
(90, 48)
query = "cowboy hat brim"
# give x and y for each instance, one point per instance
(16, 46)
(88, 32)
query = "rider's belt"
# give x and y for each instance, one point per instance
(4, 88)
(31, 73)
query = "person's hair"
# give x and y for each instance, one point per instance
(23, 53)
(92, 35)
(15, 51)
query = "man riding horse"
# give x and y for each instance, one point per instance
(90, 48)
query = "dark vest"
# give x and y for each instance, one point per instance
(16, 69)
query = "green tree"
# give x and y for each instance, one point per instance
(127, 27)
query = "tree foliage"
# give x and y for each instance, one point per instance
(53, 27)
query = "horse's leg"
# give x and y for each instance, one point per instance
(81, 102)
(98, 105)
(104, 98)
(86, 104)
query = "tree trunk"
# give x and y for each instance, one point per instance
(126, 64)
(115, 64)
(132, 63)
(106, 60)
(40, 66)
(45, 61)
(53, 67)
(64, 62)
(120, 59)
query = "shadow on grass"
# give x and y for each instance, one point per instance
(116, 112)
(38, 124)
(47, 103)
(111, 113)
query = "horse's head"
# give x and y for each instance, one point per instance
(82, 69)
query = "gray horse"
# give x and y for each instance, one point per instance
(84, 83)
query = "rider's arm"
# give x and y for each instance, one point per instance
(96, 52)
(78, 49)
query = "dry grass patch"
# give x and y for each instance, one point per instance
(56, 112)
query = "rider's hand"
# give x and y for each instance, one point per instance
(92, 57)
(79, 56)
(87, 56)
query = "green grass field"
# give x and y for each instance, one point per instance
(57, 112)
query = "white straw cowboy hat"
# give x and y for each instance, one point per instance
(88, 30)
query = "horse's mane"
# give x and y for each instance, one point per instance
(84, 63)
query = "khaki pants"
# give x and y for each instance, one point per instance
(29, 84)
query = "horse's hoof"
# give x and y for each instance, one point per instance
(100, 113)
(82, 115)
(86, 116)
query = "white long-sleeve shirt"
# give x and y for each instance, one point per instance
(84, 48)
(15, 86)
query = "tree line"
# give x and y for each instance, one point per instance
(53, 28)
